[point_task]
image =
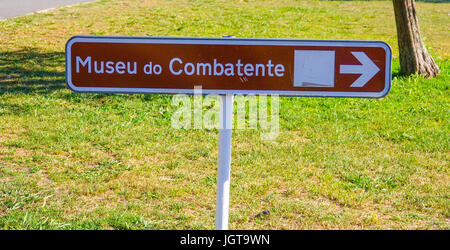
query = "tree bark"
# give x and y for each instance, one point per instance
(414, 57)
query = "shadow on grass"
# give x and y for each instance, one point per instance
(30, 71)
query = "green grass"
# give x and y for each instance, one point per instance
(91, 161)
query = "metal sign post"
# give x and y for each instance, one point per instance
(175, 65)
(224, 159)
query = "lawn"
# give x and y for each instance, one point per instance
(95, 161)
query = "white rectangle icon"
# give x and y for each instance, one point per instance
(314, 68)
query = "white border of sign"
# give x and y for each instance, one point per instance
(228, 41)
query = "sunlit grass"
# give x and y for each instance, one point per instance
(89, 161)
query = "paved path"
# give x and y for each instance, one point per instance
(13, 8)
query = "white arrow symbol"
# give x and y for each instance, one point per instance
(367, 69)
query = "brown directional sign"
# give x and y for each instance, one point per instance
(228, 65)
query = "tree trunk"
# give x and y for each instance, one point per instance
(414, 56)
